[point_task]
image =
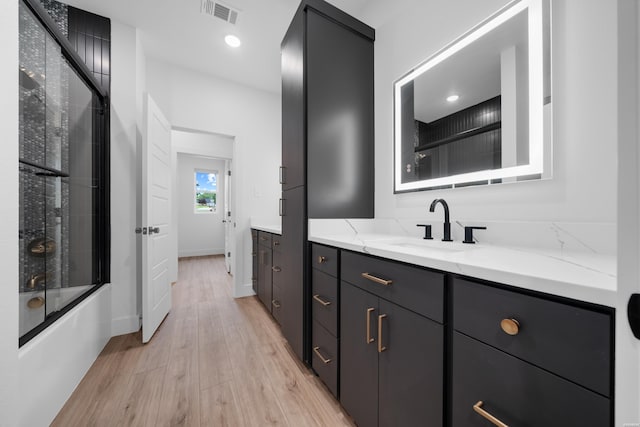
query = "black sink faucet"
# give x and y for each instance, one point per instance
(447, 224)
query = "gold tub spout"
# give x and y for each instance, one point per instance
(36, 279)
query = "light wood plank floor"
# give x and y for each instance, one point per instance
(214, 361)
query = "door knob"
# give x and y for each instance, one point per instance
(154, 230)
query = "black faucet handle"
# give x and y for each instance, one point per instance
(468, 234)
(427, 231)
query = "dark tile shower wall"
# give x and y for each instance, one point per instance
(469, 154)
(90, 36)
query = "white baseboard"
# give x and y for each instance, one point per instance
(200, 252)
(125, 325)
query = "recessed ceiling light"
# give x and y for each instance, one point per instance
(232, 40)
(452, 98)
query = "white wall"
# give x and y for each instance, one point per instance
(124, 116)
(627, 346)
(9, 399)
(199, 233)
(196, 101)
(584, 97)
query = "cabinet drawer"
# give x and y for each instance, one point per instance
(264, 239)
(324, 300)
(414, 288)
(572, 342)
(324, 357)
(516, 392)
(324, 259)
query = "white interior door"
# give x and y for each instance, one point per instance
(228, 220)
(156, 217)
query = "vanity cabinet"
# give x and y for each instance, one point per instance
(327, 69)
(325, 307)
(392, 342)
(528, 360)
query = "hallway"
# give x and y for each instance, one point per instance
(215, 361)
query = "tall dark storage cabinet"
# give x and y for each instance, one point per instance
(327, 143)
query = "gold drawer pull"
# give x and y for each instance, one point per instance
(276, 269)
(322, 259)
(275, 304)
(321, 301)
(369, 340)
(377, 279)
(276, 243)
(478, 408)
(316, 350)
(381, 348)
(510, 326)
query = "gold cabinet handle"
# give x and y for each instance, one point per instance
(369, 339)
(276, 243)
(321, 259)
(316, 350)
(276, 269)
(377, 279)
(275, 303)
(510, 326)
(321, 301)
(381, 348)
(478, 408)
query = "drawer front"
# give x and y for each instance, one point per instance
(324, 259)
(324, 357)
(569, 341)
(264, 239)
(324, 300)
(516, 392)
(414, 288)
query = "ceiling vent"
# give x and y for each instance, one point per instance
(219, 10)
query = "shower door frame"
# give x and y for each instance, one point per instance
(101, 120)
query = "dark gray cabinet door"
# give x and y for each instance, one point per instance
(291, 275)
(358, 356)
(340, 133)
(516, 392)
(411, 370)
(293, 105)
(265, 277)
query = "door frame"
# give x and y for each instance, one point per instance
(212, 154)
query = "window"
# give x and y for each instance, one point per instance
(206, 190)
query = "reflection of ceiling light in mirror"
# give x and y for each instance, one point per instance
(453, 98)
(232, 40)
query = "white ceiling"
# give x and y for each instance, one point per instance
(175, 31)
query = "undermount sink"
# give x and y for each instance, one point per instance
(431, 246)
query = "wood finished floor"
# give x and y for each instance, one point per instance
(214, 361)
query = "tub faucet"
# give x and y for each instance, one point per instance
(447, 224)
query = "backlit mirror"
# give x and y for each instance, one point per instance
(479, 110)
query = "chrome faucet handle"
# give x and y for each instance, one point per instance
(427, 231)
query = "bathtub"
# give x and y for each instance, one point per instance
(56, 299)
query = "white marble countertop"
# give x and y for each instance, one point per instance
(584, 276)
(270, 226)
